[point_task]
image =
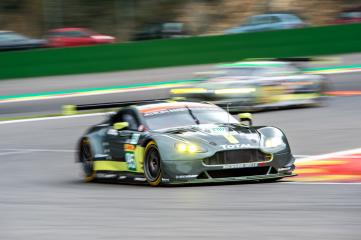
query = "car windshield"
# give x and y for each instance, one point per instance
(291, 18)
(182, 117)
(9, 36)
(256, 71)
(243, 71)
(347, 15)
(172, 26)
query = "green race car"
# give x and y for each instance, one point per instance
(169, 142)
(256, 86)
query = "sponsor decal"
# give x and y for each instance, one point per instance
(100, 156)
(235, 146)
(135, 138)
(185, 176)
(129, 158)
(139, 179)
(208, 128)
(112, 132)
(240, 165)
(165, 180)
(129, 147)
(106, 175)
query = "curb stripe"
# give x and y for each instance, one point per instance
(343, 93)
(51, 118)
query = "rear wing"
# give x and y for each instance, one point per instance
(73, 109)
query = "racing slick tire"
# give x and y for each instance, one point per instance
(152, 164)
(86, 158)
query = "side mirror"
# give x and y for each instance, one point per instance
(120, 125)
(245, 117)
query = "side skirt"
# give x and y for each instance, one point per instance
(120, 177)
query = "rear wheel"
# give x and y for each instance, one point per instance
(152, 164)
(86, 158)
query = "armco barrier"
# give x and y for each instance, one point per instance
(184, 51)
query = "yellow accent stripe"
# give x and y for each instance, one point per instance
(122, 166)
(110, 166)
(139, 159)
(289, 97)
(230, 138)
(188, 90)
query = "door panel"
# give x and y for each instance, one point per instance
(122, 147)
(116, 140)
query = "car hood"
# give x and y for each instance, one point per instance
(247, 81)
(218, 136)
(228, 82)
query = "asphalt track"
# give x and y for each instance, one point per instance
(42, 195)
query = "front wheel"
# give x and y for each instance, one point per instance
(152, 164)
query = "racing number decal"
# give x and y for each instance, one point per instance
(129, 158)
(134, 155)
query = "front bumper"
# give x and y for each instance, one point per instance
(230, 179)
(195, 171)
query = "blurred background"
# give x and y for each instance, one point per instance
(124, 18)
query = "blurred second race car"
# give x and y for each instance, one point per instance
(255, 86)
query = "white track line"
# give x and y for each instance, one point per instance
(37, 150)
(51, 118)
(302, 156)
(16, 151)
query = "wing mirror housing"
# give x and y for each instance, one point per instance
(245, 117)
(120, 125)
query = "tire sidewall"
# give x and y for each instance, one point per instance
(158, 179)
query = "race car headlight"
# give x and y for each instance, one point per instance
(189, 148)
(273, 142)
(272, 139)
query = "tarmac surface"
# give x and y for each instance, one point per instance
(42, 195)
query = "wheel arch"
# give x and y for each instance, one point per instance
(95, 145)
